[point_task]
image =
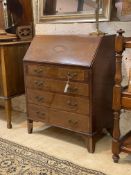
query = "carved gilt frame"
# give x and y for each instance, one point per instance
(72, 17)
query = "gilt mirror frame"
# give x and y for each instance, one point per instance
(72, 17)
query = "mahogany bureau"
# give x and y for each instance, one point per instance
(69, 82)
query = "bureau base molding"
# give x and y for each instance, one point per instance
(71, 88)
(90, 139)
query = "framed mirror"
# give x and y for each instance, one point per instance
(65, 11)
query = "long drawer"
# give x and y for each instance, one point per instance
(58, 101)
(75, 122)
(57, 86)
(68, 120)
(57, 72)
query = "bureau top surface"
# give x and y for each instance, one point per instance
(66, 50)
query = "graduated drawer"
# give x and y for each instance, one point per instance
(58, 101)
(38, 113)
(52, 71)
(57, 86)
(74, 122)
(39, 97)
(71, 104)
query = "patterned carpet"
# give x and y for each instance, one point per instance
(19, 160)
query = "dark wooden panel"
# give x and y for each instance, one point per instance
(103, 73)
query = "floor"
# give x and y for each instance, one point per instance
(64, 145)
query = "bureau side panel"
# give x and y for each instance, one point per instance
(103, 82)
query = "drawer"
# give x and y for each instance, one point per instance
(52, 71)
(74, 122)
(38, 113)
(39, 97)
(71, 104)
(58, 101)
(57, 86)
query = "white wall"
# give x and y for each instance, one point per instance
(82, 28)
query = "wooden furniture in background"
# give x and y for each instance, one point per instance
(19, 13)
(69, 83)
(3, 35)
(11, 72)
(12, 50)
(129, 84)
(2, 26)
(121, 100)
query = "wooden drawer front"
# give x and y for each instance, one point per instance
(57, 72)
(69, 103)
(38, 113)
(126, 102)
(68, 120)
(57, 86)
(57, 101)
(39, 97)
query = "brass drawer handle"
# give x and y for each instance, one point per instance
(71, 75)
(38, 70)
(39, 83)
(40, 113)
(43, 114)
(72, 104)
(72, 89)
(73, 123)
(39, 98)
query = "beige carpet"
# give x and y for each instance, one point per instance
(64, 145)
